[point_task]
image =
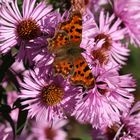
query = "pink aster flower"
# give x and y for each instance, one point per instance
(131, 121)
(129, 13)
(129, 127)
(103, 104)
(4, 1)
(43, 130)
(19, 29)
(106, 47)
(48, 97)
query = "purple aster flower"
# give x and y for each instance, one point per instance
(17, 28)
(129, 13)
(43, 130)
(102, 105)
(128, 128)
(48, 97)
(131, 121)
(37, 47)
(106, 47)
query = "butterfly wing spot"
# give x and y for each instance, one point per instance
(78, 30)
(82, 74)
(73, 27)
(63, 67)
(86, 68)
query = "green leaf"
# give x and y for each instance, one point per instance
(22, 116)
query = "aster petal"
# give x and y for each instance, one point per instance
(114, 27)
(5, 46)
(8, 34)
(125, 50)
(135, 108)
(5, 15)
(40, 11)
(27, 8)
(33, 85)
(17, 9)
(118, 35)
(12, 10)
(102, 22)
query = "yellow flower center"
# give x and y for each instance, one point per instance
(28, 29)
(52, 94)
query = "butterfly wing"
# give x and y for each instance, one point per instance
(63, 66)
(60, 39)
(69, 33)
(82, 74)
(67, 38)
(73, 28)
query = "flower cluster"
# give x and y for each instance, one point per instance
(63, 65)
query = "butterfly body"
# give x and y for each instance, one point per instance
(65, 45)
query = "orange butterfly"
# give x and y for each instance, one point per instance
(68, 59)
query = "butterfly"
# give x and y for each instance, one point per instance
(68, 59)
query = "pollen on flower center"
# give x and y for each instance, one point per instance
(28, 29)
(52, 94)
(101, 53)
(107, 41)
